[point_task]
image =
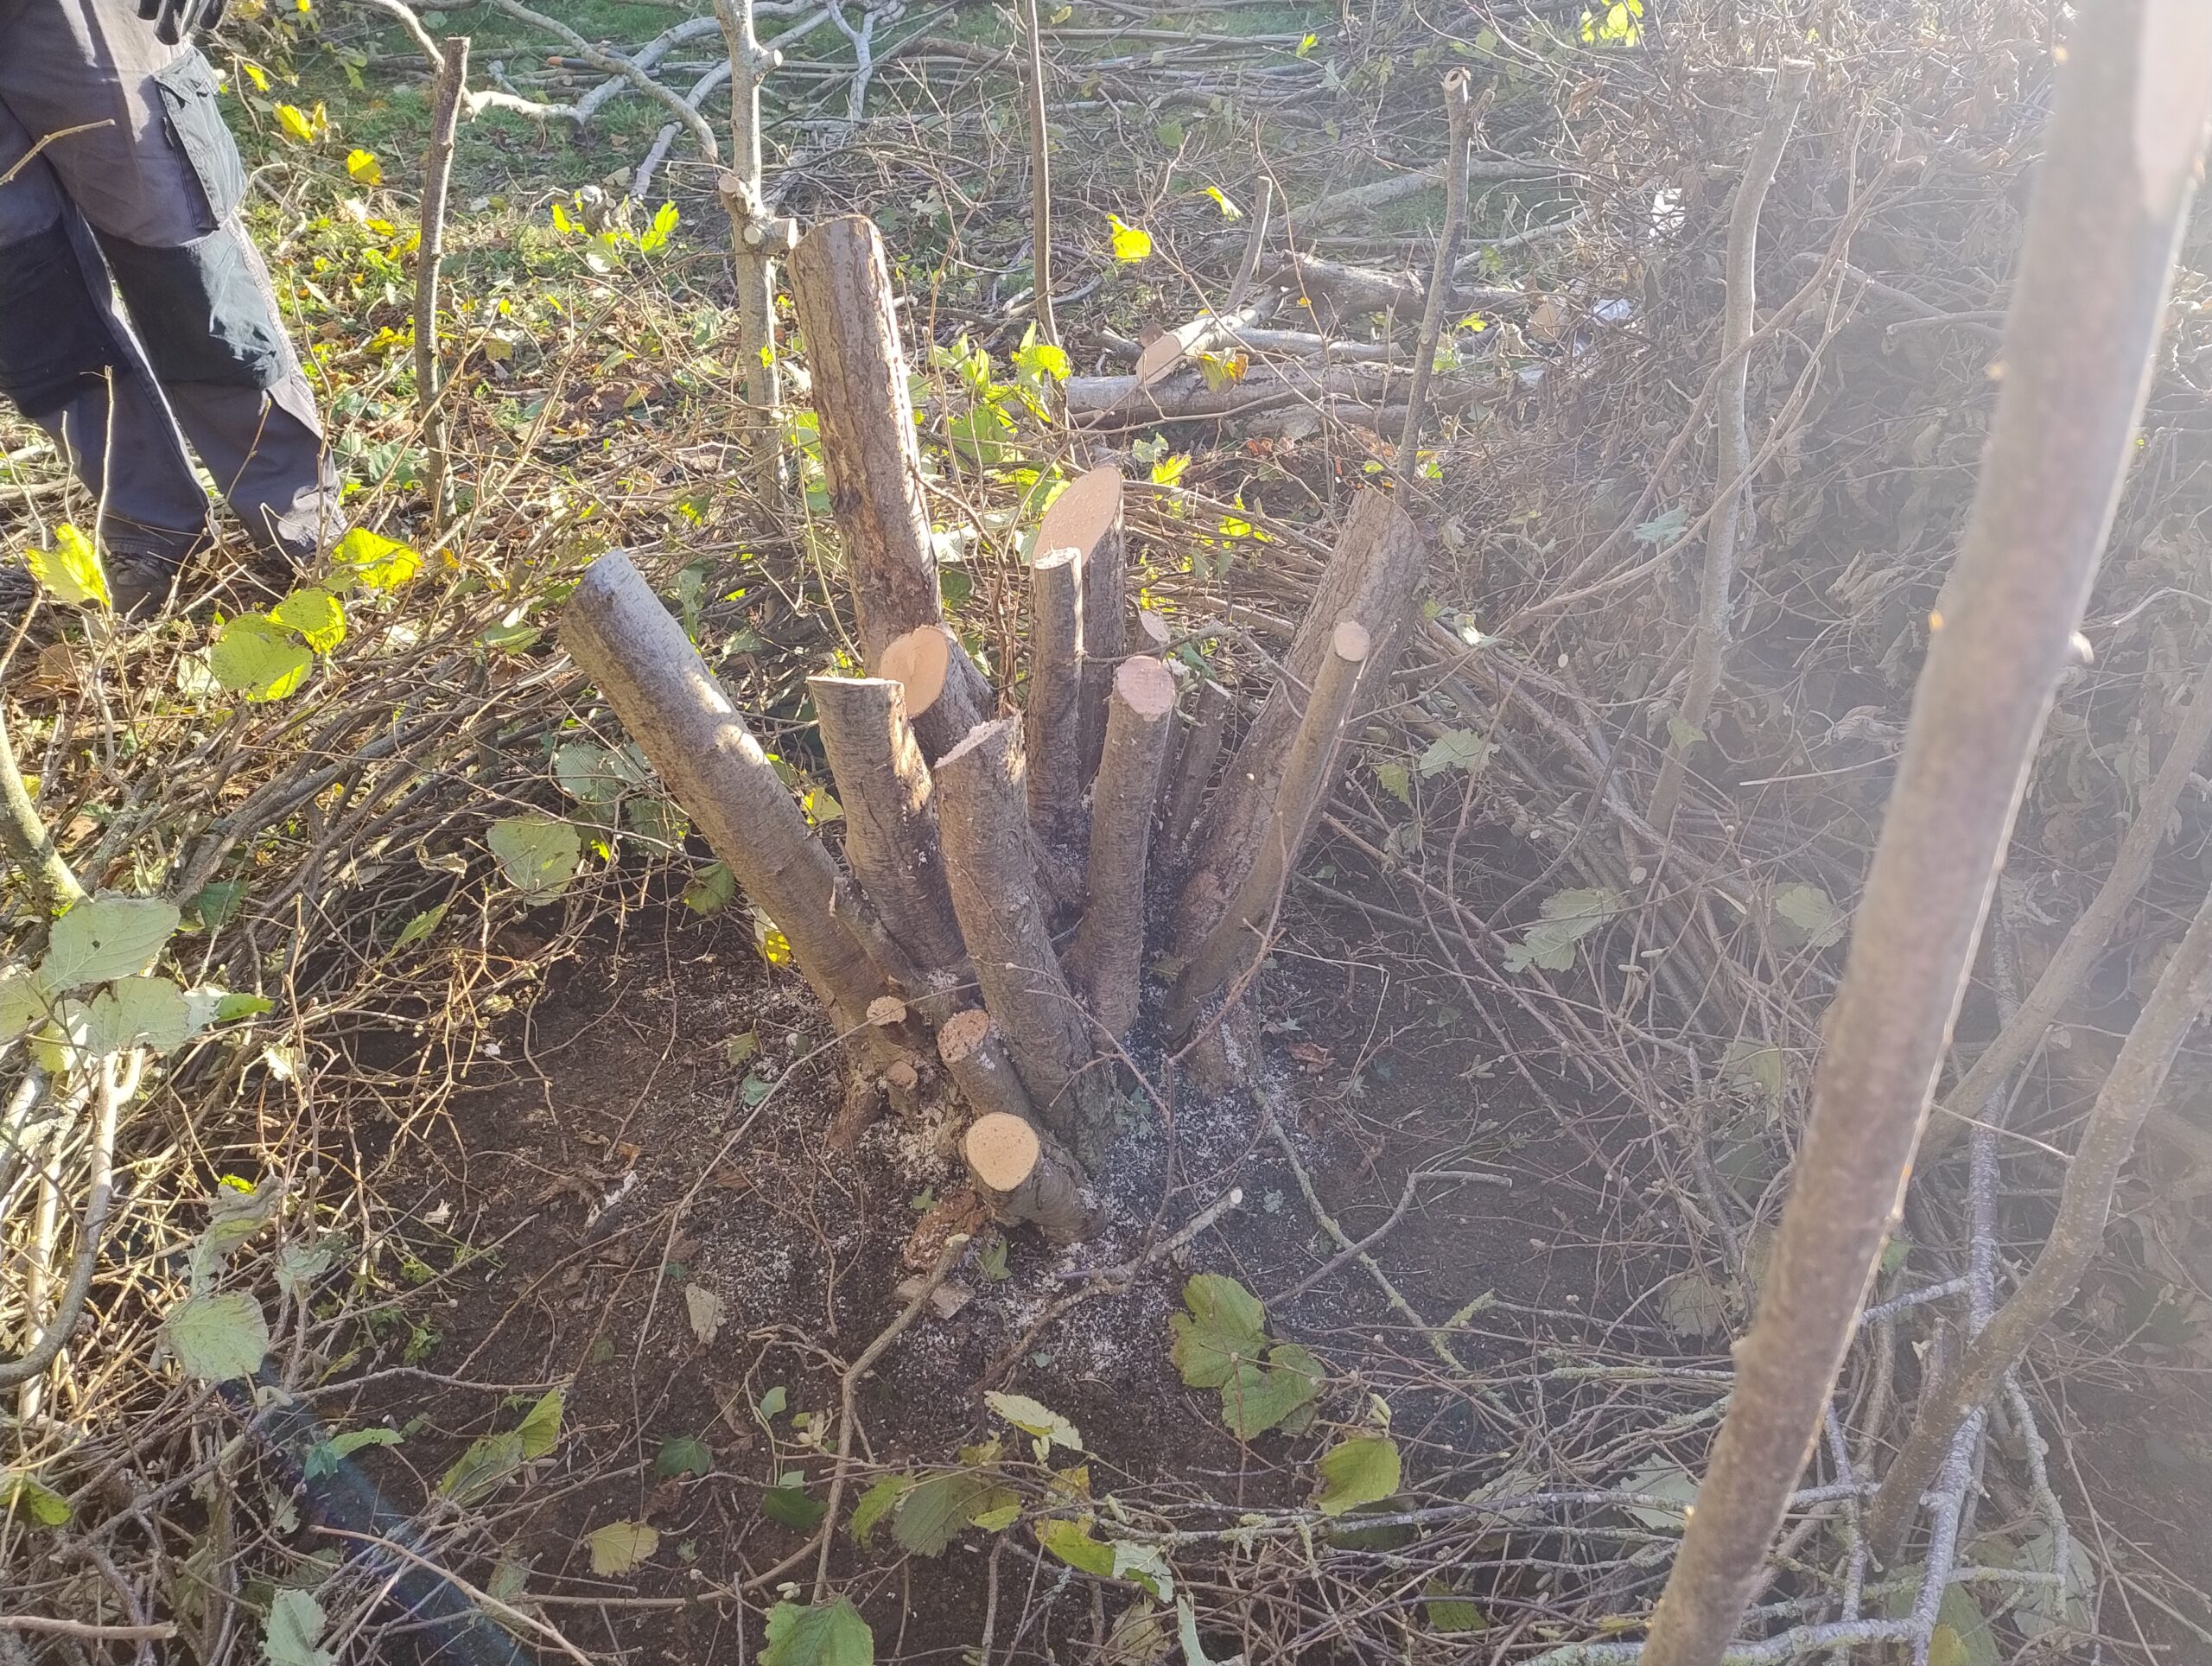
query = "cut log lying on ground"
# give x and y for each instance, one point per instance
(946, 696)
(637, 653)
(1185, 396)
(1357, 289)
(975, 1056)
(1235, 944)
(1025, 1176)
(1360, 201)
(983, 821)
(1108, 957)
(1052, 712)
(890, 836)
(1175, 347)
(1370, 580)
(1086, 518)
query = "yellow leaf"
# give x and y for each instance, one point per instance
(1131, 242)
(255, 73)
(297, 124)
(365, 167)
(1168, 470)
(71, 571)
(1229, 210)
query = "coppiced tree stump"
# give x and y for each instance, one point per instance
(969, 834)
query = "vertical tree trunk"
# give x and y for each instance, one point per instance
(1370, 579)
(1040, 179)
(2094, 270)
(1194, 769)
(1108, 958)
(890, 837)
(1240, 939)
(637, 652)
(985, 827)
(1086, 518)
(451, 95)
(841, 284)
(946, 696)
(757, 237)
(1052, 712)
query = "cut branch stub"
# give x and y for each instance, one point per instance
(946, 696)
(1087, 518)
(1026, 1176)
(637, 654)
(1107, 956)
(1370, 579)
(841, 286)
(976, 1056)
(890, 837)
(1235, 945)
(1052, 714)
(984, 825)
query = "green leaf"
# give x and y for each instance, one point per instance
(1072, 1544)
(1448, 1612)
(478, 1470)
(1258, 1399)
(1145, 1565)
(1962, 1636)
(1171, 135)
(378, 561)
(1037, 360)
(295, 1627)
(934, 1510)
(1131, 242)
(217, 903)
(539, 1432)
(1033, 1417)
(595, 775)
(684, 1455)
(538, 855)
(1671, 1481)
(132, 1012)
(316, 615)
(1186, 1633)
(27, 1498)
(1362, 1470)
(257, 657)
(621, 1545)
(1692, 1305)
(794, 1506)
(1396, 780)
(105, 937)
(1810, 913)
(2043, 1609)
(323, 1459)
(71, 571)
(829, 1634)
(1307, 45)
(1221, 1330)
(1683, 734)
(1568, 917)
(1665, 529)
(219, 1339)
(664, 222)
(421, 925)
(711, 891)
(1456, 748)
(24, 1003)
(1762, 1069)
(875, 1504)
(773, 1401)
(513, 636)
(1221, 201)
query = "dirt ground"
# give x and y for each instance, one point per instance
(634, 1151)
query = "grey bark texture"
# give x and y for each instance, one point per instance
(975, 1056)
(1026, 1176)
(1107, 960)
(1052, 712)
(1194, 767)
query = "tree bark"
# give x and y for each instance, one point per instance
(1087, 518)
(636, 652)
(1026, 1176)
(994, 893)
(1237, 943)
(2086, 938)
(1459, 120)
(2138, 1075)
(2092, 279)
(841, 284)
(1370, 579)
(976, 1056)
(450, 98)
(1716, 588)
(946, 696)
(756, 236)
(1108, 959)
(1053, 713)
(1194, 768)
(890, 836)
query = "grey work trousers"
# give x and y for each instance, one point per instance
(142, 204)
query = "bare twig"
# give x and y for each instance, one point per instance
(1461, 114)
(437, 182)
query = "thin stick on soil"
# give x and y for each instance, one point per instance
(849, 1413)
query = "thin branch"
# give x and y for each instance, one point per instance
(24, 836)
(616, 64)
(1461, 113)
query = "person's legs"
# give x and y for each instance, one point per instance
(65, 365)
(160, 183)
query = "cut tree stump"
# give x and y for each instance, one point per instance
(891, 838)
(637, 653)
(1087, 518)
(975, 1056)
(1052, 712)
(841, 286)
(1236, 944)
(1108, 958)
(1370, 580)
(1194, 767)
(983, 821)
(1026, 1176)
(946, 696)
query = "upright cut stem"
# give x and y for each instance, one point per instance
(757, 237)
(23, 832)
(1460, 114)
(1040, 178)
(437, 185)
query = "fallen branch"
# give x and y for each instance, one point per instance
(616, 65)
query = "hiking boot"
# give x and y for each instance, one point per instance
(139, 584)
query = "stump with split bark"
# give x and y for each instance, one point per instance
(1032, 879)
